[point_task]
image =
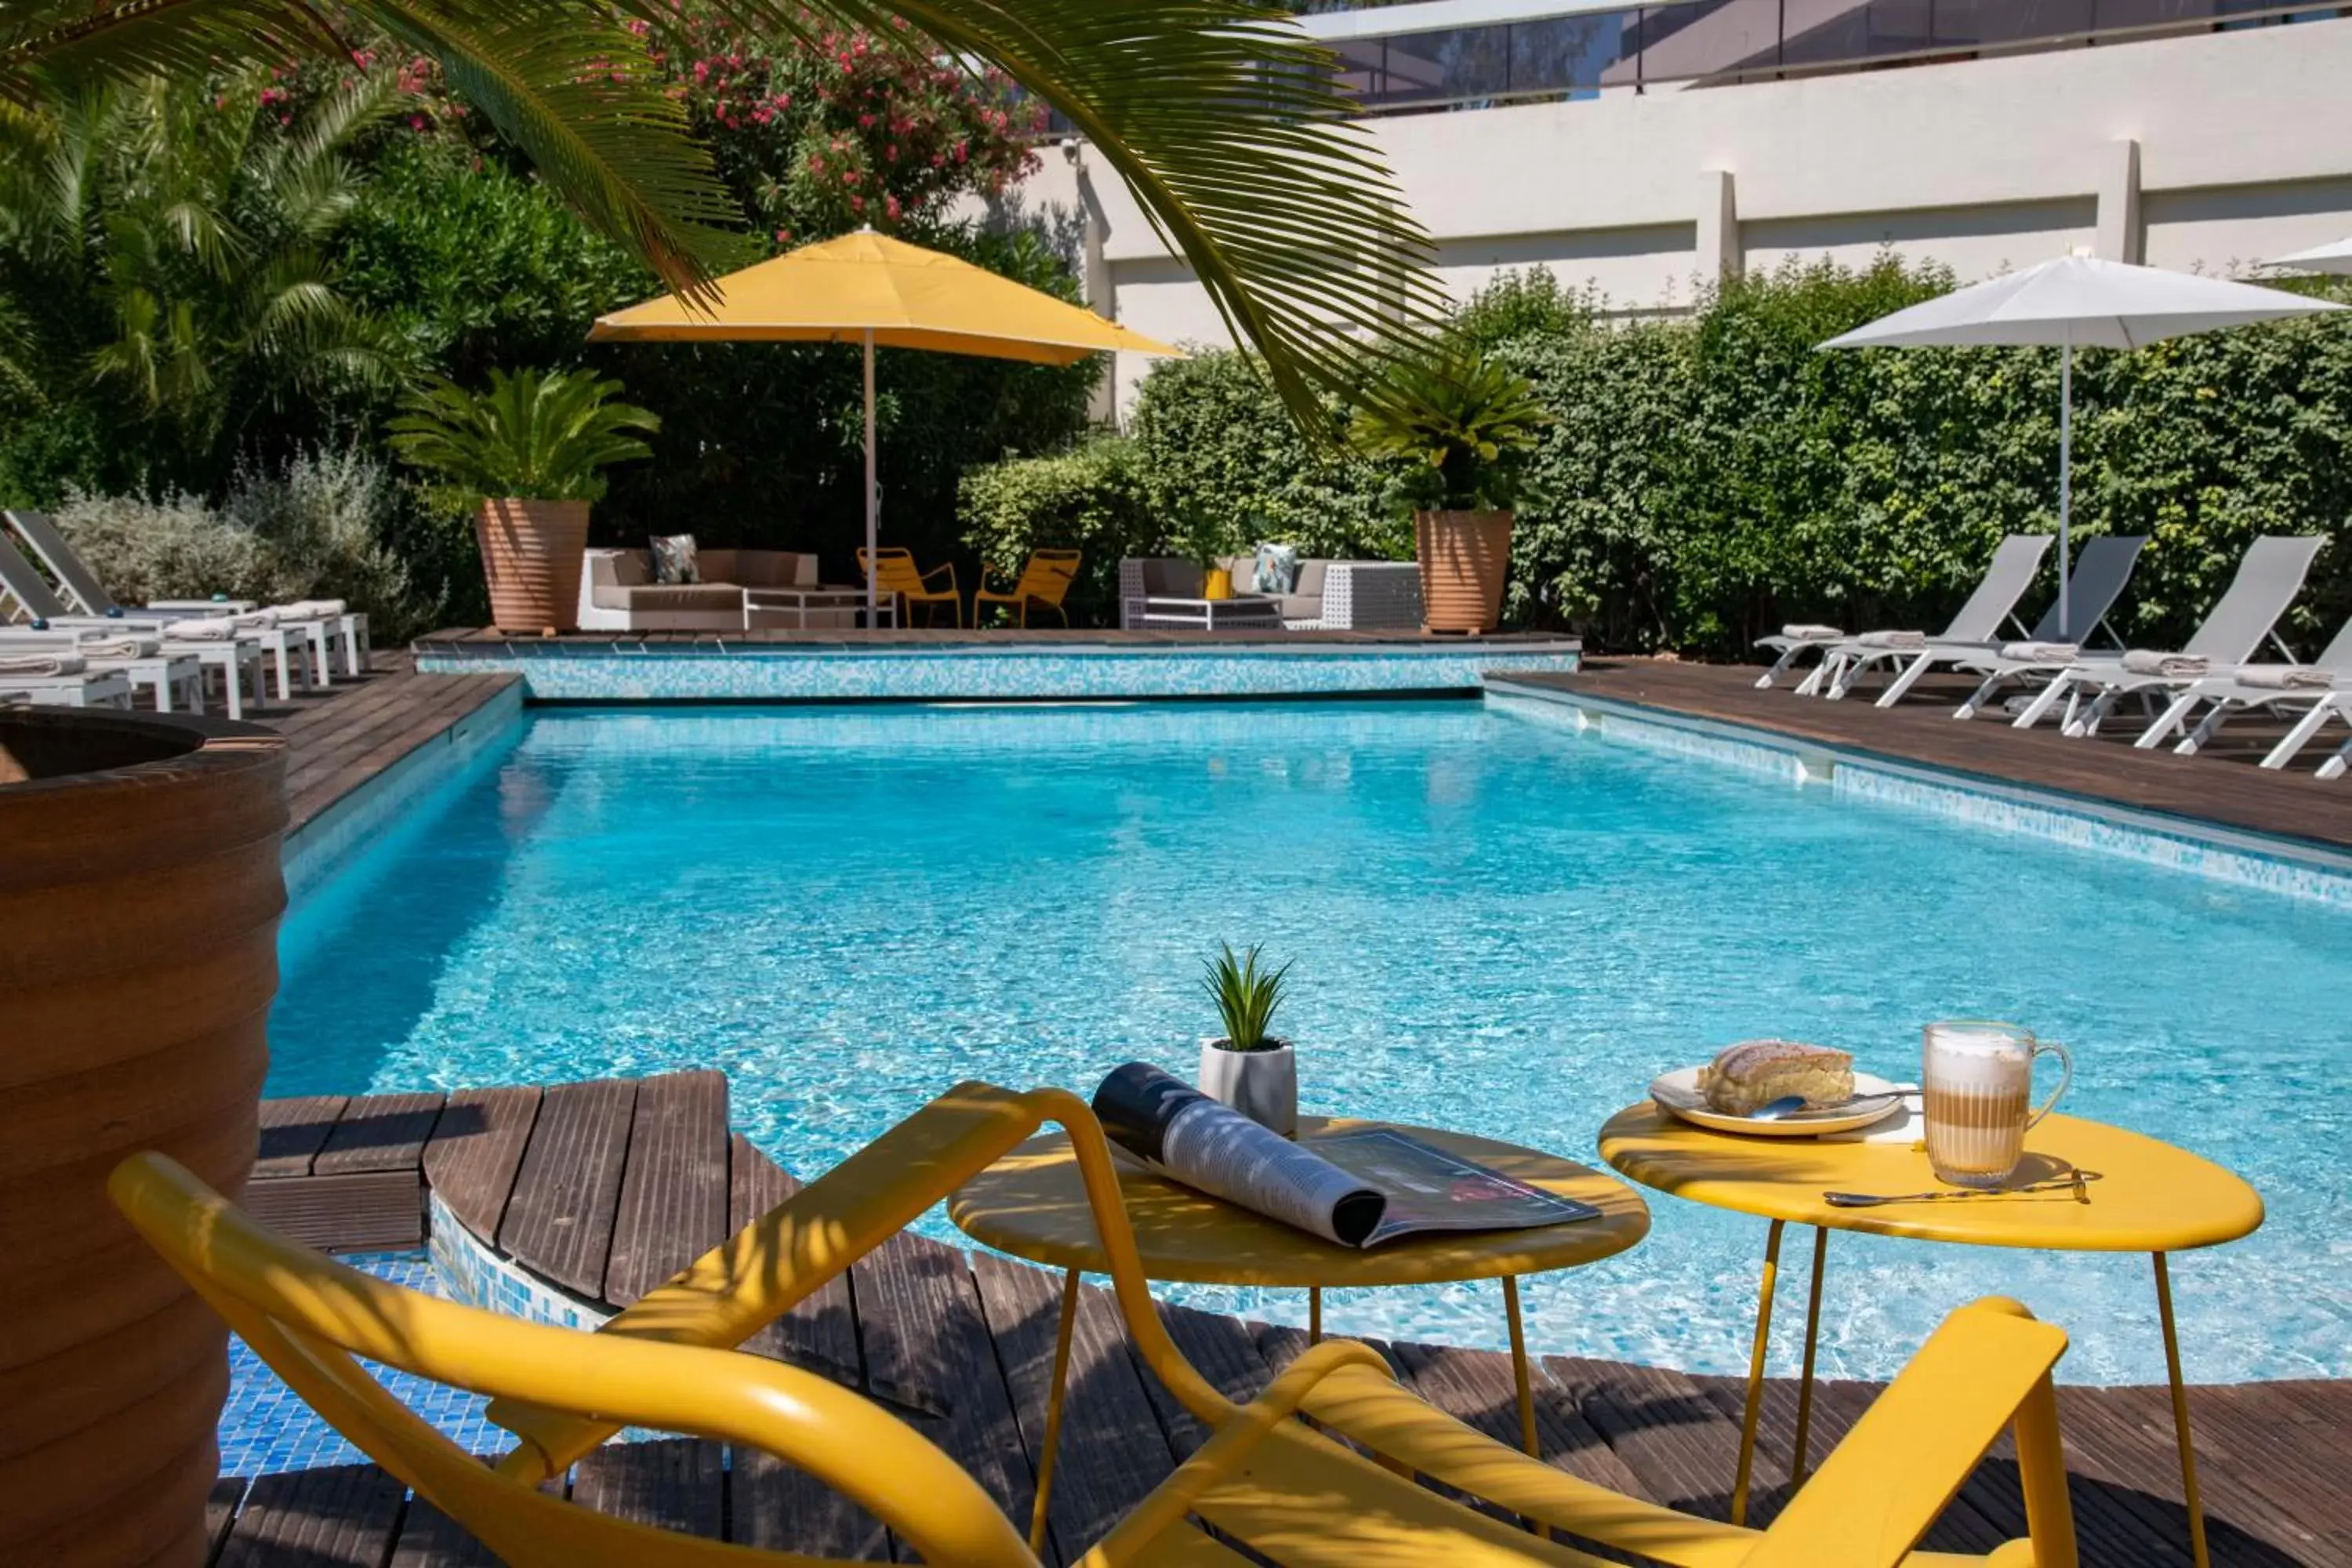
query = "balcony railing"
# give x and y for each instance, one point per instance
(1580, 49)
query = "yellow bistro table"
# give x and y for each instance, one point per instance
(1031, 1204)
(2150, 1197)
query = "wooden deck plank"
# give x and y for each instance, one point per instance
(431, 1539)
(1662, 1426)
(1476, 1388)
(293, 1132)
(1113, 1450)
(673, 1201)
(1221, 1349)
(220, 1512)
(821, 1332)
(475, 1151)
(671, 1483)
(379, 1132)
(341, 1516)
(927, 1350)
(2213, 787)
(559, 1223)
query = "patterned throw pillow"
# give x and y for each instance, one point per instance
(1277, 568)
(674, 559)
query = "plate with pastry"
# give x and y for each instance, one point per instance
(1751, 1087)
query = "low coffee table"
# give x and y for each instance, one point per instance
(1252, 610)
(1032, 1203)
(791, 606)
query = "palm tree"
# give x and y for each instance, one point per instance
(1226, 123)
(181, 254)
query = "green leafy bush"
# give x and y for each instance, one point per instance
(328, 524)
(1089, 499)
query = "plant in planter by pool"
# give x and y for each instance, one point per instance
(1463, 430)
(1248, 1066)
(529, 452)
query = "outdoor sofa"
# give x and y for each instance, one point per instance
(1327, 595)
(618, 594)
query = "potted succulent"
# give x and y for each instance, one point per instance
(1463, 427)
(1247, 1067)
(529, 453)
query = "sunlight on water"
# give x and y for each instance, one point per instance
(1498, 927)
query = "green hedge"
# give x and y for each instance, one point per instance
(1711, 478)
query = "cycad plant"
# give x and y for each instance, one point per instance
(529, 436)
(1463, 426)
(1246, 993)
(1230, 126)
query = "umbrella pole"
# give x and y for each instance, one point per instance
(2066, 632)
(873, 489)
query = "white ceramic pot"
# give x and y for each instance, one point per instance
(1262, 1085)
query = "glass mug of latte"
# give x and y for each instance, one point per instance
(1976, 1081)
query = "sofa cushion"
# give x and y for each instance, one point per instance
(675, 558)
(613, 572)
(1275, 570)
(1301, 606)
(1309, 580)
(660, 596)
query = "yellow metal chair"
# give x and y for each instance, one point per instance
(894, 573)
(1044, 582)
(1292, 1493)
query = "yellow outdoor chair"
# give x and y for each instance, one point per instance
(1286, 1490)
(894, 573)
(1044, 582)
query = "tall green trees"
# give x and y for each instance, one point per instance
(168, 270)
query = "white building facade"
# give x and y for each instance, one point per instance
(2213, 148)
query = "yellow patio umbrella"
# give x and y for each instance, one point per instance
(866, 288)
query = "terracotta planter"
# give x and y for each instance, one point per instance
(139, 901)
(532, 553)
(1465, 558)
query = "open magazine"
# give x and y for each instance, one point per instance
(1358, 1188)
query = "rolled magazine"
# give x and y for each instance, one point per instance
(1356, 1188)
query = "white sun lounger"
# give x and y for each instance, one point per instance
(2240, 623)
(239, 664)
(2267, 581)
(2255, 687)
(90, 689)
(2101, 567)
(167, 679)
(2006, 578)
(80, 586)
(292, 644)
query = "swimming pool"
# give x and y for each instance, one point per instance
(1497, 925)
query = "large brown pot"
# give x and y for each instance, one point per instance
(531, 552)
(1465, 556)
(139, 901)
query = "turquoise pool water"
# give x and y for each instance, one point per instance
(1496, 925)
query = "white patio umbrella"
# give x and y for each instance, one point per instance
(2336, 256)
(2077, 300)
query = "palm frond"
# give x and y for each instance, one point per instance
(1231, 128)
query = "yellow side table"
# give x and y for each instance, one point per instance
(2151, 1197)
(1031, 1204)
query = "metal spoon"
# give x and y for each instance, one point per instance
(1773, 1110)
(2075, 1180)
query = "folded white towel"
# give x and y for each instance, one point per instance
(2287, 677)
(311, 609)
(99, 644)
(2041, 652)
(203, 629)
(39, 664)
(263, 619)
(1892, 639)
(2170, 665)
(1804, 632)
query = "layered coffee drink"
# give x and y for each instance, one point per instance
(1976, 1081)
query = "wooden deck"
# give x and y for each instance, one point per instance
(2221, 784)
(339, 738)
(609, 1186)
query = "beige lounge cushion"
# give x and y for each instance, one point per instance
(661, 596)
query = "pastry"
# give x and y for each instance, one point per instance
(1756, 1072)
